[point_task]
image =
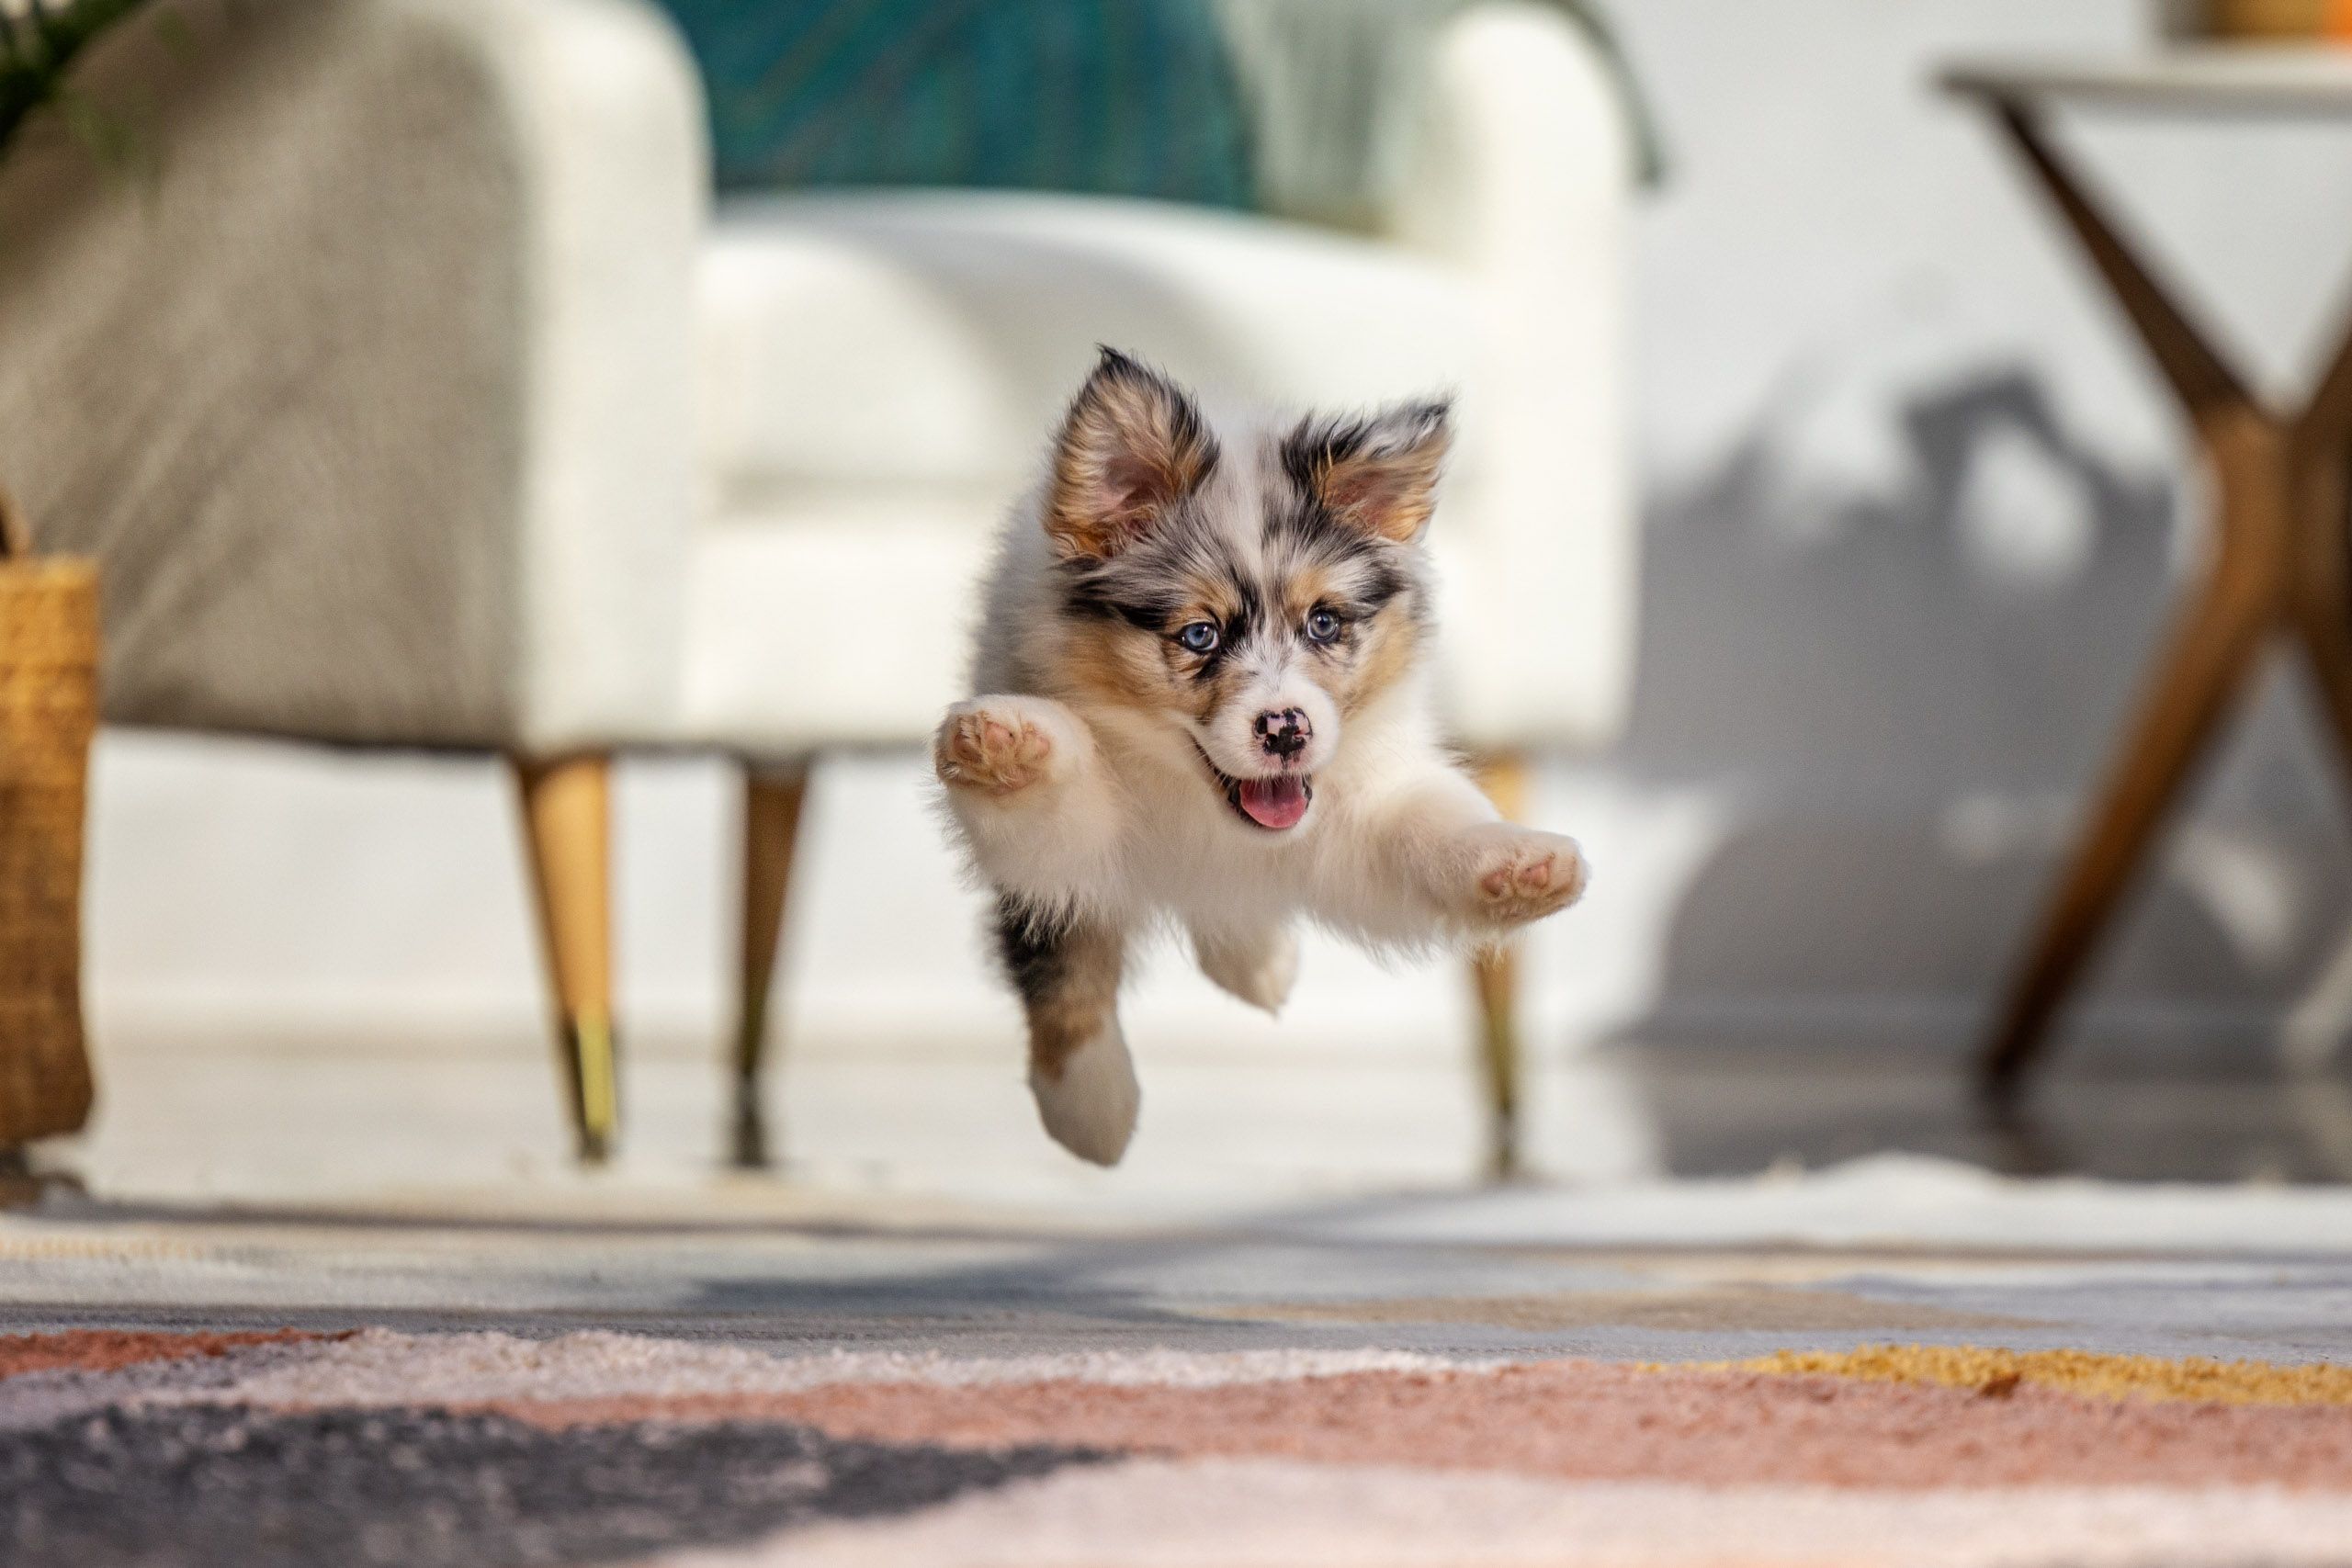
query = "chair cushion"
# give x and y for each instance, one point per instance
(800, 635)
(932, 339)
(849, 622)
(881, 375)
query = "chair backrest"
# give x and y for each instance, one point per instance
(1114, 98)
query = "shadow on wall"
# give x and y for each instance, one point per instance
(1903, 668)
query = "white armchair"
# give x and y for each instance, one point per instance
(426, 402)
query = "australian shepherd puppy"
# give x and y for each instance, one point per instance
(1204, 706)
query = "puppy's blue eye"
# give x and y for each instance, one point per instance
(1322, 625)
(1201, 637)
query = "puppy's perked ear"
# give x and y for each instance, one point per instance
(1132, 446)
(1377, 473)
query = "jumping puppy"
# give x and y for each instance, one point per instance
(1202, 660)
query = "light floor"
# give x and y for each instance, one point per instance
(1732, 1208)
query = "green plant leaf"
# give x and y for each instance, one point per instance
(39, 41)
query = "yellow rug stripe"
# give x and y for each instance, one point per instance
(2191, 1378)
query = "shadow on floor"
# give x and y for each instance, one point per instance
(1718, 1112)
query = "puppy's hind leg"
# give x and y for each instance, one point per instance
(1068, 974)
(1258, 966)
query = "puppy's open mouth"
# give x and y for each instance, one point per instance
(1274, 804)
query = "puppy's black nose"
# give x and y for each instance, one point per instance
(1284, 734)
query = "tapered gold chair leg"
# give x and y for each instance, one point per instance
(1493, 979)
(771, 828)
(567, 818)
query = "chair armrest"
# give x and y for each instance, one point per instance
(1520, 179)
(377, 405)
(608, 110)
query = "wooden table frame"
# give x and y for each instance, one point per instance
(2279, 573)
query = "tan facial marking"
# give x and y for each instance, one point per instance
(1374, 655)
(1306, 587)
(1115, 665)
(1385, 648)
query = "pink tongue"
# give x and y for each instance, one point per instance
(1274, 803)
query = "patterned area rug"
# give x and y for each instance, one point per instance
(482, 1448)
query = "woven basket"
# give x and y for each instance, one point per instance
(49, 710)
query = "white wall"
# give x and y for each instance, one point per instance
(1911, 525)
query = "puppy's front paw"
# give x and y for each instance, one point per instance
(1519, 875)
(991, 744)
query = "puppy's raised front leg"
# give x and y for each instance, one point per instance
(1028, 791)
(1068, 974)
(999, 746)
(1259, 965)
(1485, 876)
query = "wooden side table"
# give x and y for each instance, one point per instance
(2277, 574)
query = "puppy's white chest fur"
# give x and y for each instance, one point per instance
(1188, 855)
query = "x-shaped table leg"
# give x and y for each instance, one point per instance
(2279, 566)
